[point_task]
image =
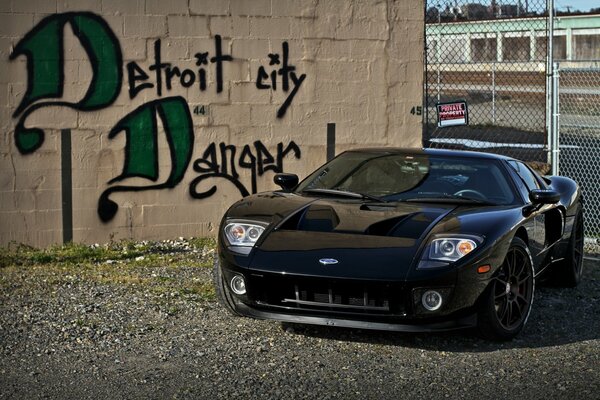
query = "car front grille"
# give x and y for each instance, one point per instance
(337, 298)
(328, 295)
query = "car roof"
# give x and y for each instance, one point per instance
(438, 152)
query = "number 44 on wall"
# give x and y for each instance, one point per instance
(199, 110)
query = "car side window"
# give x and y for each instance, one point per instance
(530, 181)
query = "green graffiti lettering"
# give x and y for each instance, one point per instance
(141, 149)
(177, 120)
(106, 62)
(44, 62)
(43, 47)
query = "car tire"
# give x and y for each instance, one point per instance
(567, 273)
(221, 289)
(506, 303)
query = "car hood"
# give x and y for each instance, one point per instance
(369, 240)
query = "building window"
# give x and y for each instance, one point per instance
(586, 47)
(453, 50)
(540, 49)
(559, 45)
(432, 51)
(484, 50)
(515, 48)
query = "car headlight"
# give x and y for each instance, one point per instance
(450, 249)
(243, 233)
(447, 249)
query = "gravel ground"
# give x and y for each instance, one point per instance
(66, 333)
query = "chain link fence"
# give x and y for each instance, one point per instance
(579, 136)
(493, 56)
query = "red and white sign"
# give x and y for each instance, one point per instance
(451, 114)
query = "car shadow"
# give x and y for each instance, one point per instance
(559, 316)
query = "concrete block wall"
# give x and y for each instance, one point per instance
(162, 144)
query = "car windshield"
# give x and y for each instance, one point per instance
(412, 177)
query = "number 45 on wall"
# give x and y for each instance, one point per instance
(416, 110)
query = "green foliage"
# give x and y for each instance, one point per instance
(168, 269)
(201, 242)
(72, 253)
(76, 253)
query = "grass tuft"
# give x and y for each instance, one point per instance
(179, 268)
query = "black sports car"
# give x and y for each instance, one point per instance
(406, 240)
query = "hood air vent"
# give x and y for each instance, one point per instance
(315, 218)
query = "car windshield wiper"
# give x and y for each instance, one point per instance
(345, 193)
(446, 197)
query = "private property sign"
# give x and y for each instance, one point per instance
(452, 113)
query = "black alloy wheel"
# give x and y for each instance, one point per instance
(507, 302)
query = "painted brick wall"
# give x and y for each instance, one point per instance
(176, 109)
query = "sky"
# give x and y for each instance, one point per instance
(581, 5)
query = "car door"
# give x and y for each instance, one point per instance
(537, 230)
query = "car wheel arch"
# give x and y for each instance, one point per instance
(521, 233)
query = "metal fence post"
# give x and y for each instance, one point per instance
(438, 83)
(549, 62)
(438, 65)
(494, 93)
(555, 120)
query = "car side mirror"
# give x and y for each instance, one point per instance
(286, 181)
(544, 196)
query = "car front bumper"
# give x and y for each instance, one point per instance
(464, 322)
(390, 306)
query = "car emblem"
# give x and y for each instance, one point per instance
(328, 261)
